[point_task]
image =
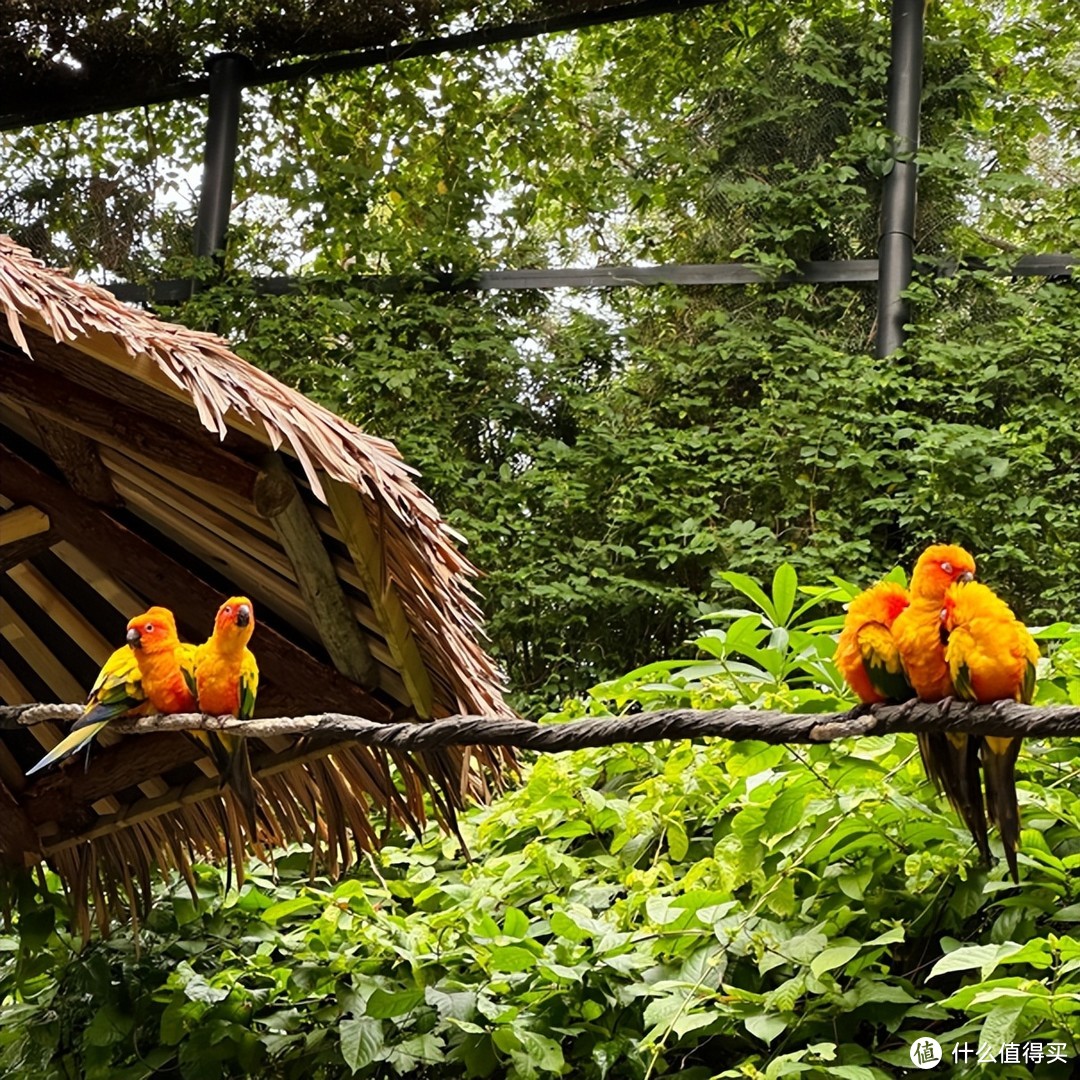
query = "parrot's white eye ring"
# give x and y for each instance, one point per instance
(947, 567)
(149, 628)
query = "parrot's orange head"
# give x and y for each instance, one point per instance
(939, 566)
(235, 621)
(152, 630)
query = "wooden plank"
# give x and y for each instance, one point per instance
(278, 500)
(246, 574)
(109, 421)
(255, 567)
(366, 550)
(21, 550)
(21, 524)
(125, 601)
(62, 793)
(64, 613)
(81, 631)
(62, 683)
(15, 417)
(12, 692)
(38, 655)
(140, 565)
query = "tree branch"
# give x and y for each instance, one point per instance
(1003, 718)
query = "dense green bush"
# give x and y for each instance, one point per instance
(728, 909)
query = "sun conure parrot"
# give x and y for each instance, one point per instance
(866, 654)
(226, 682)
(152, 673)
(951, 759)
(991, 657)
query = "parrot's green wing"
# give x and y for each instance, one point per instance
(186, 657)
(116, 692)
(962, 682)
(249, 685)
(881, 661)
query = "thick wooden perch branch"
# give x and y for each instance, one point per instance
(1002, 718)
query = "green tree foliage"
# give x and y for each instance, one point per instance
(610, 456)
(727, 909)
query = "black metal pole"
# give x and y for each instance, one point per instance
(227, 74)
(896, 243)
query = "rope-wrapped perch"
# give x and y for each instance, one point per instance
(1003, 718)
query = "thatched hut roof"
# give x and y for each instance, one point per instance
(144, 463)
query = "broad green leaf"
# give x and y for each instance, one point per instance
(765, 1026)
(511, 958)
(750, 588)
(784, 587)
(515, 923)
(383, 1004)
(833, 958)
(361, 1041)
(677, 841)
(999, 1026)
(284, 908)
(984, 957)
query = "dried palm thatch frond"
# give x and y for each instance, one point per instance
(162, 468)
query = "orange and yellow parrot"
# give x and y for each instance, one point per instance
(951, 759)
(226, 682)
(152, 673)
(866, 654)
(991, 657)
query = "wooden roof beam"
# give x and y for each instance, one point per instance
(21, 550)
(101, 419)
(148, 570)
(366, 550)
(22, 523)
(278, 500)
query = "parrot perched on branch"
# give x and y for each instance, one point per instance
(951, 760)
(991, 657)
(152, 673)
(866, 654)
(226, 682)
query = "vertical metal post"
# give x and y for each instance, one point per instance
(896, 243)
(227, 71)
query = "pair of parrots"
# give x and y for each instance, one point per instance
(947, 636)
(155, 672)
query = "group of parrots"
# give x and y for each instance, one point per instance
(155, 672)
(947, 636)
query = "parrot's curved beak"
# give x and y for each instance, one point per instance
(965, 577)
(134, 638)
(243, 615)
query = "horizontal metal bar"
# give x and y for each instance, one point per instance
(850, 271)
(85, 101)
(677, 274)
